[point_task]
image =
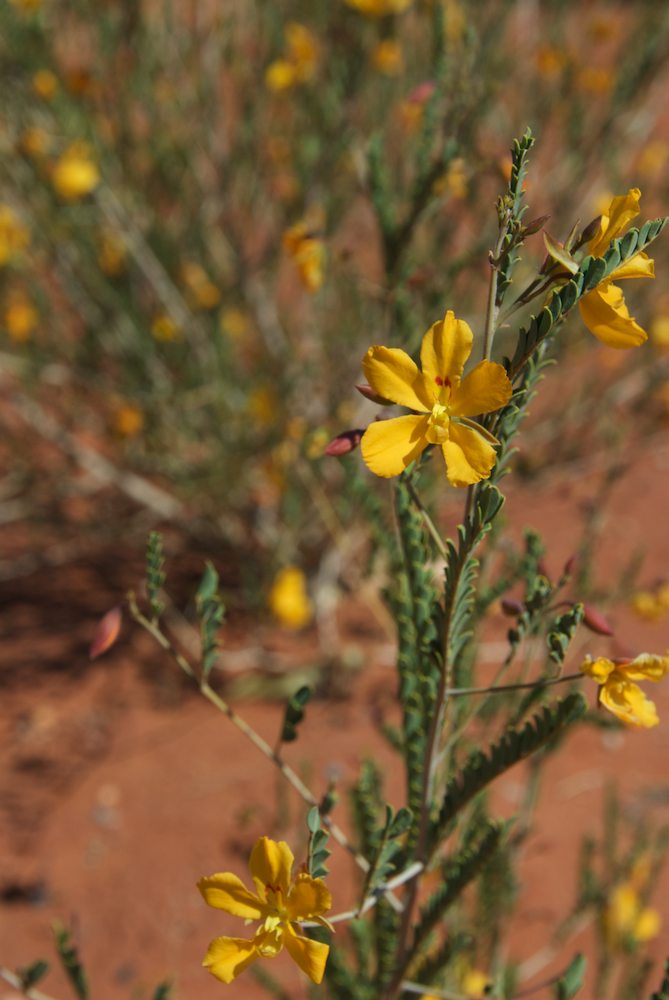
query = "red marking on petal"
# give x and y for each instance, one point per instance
(439, 380)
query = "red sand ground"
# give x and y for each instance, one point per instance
(119, 789)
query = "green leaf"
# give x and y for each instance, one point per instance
(69, 956)
(294, 713)
(155, 577)
(317, 852)
(208, 587)
(31, 974)
(162, 991)
(663, 992)
(571, 980)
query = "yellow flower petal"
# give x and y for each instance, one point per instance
(599, 669)
(308, 898)
(628, 703)
(280, 75)
(605, 314)
(638, 266)
(486, 388)
(393, 375)
(621, 211)
(445, 348)
(311, 956)
(648, 925)
(270, 864)
(389, 446)
(226, 957)
(226, 891)
(645, 667)
(469, 457)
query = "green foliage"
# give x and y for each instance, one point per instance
(389, 846)
(511, 213)
(317, 851)
(562, 632)
(366, 799)
(31, 974)
(663, 992)
(163, 991)
(210, 612)
(480, 769)
(155, 576)
(69, 957)
(294, 713)
(571, 981)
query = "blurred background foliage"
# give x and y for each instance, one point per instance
(209, 210)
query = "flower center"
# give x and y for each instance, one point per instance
(438, 423)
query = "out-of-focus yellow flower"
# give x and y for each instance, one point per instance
(75, 174)
(202, 292)
(619, 693)
(659, 332)
(20, 317)
(14, 236)
(627, 922)
(308, 251)
(652, 605)
(163, 328)
(456, 21)
(653, 158)
(316, 443)
(128, 420)
(34, 143)
(45, 84)
(112, 254)
(454, 181)
(551, 62)
(234, 323)
(603, 310)
(444, 401)
(27, 6)
(595, 80)
(81, 82)
(387, 57)
(262, 406)
(288, 598)
(280, 902)
(300, 60)
(474, 984)
(379, 8)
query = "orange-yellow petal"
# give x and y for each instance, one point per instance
(469, 457)
(628, 703)
(227, 892)
(621, 211)
(226, 957)
(600, 669)
(638, 266)
(389, 446)
(393, 375)
(486, 388)
(271, 864)
(311, 956)
(445, 348)
(308, 898)
(645, 667)
(648, 925)
(605, 314)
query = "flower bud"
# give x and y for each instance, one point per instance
(366, 390)
(106, 633)
(511, 608)
(595, 621)
(344, 442)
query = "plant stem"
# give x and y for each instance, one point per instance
(525, 686)
(15, 981)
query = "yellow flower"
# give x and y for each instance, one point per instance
(603, 310)
(454, 181)
(387, 57)
(27, 6)
(234, 323)
(626, 922)
(280, 902)
(474, 983)
(45, 84)
(111, 253)
(617, 691)
(446, 401)
(35, 143)
(379, 8)
(203, 293)
(75, 174)
(653, 158)
(128, 420)
(164, 328)
(595, 80)
(651, 605)
(308, 251)
(288, 598)
(20, 317)
(14, 236)
(299, 63)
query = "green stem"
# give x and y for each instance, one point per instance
(501, 688)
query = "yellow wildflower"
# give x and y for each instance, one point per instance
(75, 174)
(387, 57)
(445, 400)
(262, 406)
(14, 237)
(20, 317)
(308, 251)
(280, 902)
(164, 328)
(234, 323)
(651, 605)
(203, 293)
(595, 80)
(617, 691)
(128, 420)
(379, 8)
(551, 61)
(603, 309)
(454, 181)
(111, 253)
(653, 158)
(300, 61)
(45, 84)
(659, 331)
(474, 983)
(27, 6)
(626, 922)
(35, 143)
(288, 598)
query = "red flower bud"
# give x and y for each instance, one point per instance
(366, 390)
(106, 633)
(595, 621)
(512, 608)
(344, 442)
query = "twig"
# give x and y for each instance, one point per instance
(15, 981)
(525, 686)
